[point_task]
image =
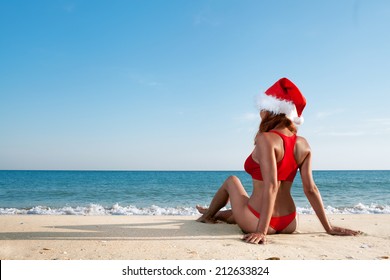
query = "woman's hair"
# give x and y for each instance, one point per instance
(271, 121)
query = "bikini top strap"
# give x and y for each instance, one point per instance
(287, 140)
(278, 133)
(282, 135)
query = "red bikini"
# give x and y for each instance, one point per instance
(277, 223)
(287, 169)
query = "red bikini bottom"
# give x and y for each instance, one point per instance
(277, 223)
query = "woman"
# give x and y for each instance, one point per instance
(273, 164)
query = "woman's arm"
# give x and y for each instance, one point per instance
(265, 153)
(313, 195)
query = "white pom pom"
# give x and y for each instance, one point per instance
(298, 120)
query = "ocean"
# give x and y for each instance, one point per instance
(172, 192)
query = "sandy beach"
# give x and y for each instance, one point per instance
(181, 238)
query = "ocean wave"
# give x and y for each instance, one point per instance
(154, 210)
(359, 208)
(99, 210)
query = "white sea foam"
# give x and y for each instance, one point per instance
(154, 210)
(360, 208)
(99, 210)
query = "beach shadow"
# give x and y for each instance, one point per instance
(167, 230)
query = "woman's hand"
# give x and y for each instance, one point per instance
(255, 238)
(343, 231)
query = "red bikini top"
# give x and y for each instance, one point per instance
(287, 167)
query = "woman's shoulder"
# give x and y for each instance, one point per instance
(267, 137)
(264, 140)
(302, 141)
(302, 147)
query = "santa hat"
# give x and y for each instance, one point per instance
(283, 98)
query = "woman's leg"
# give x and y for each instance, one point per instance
(222, 215)
(232, 190)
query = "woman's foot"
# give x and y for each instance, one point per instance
(201, 210)
(224, 216)
(203, 218)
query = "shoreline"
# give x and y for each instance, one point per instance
(68, 237)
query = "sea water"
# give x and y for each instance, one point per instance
(173, 192)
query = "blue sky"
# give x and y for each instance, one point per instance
(171, 85)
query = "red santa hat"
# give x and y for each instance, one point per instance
(283, 98)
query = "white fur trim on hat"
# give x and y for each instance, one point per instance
(278, 106)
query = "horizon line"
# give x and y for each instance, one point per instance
(174, 170)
